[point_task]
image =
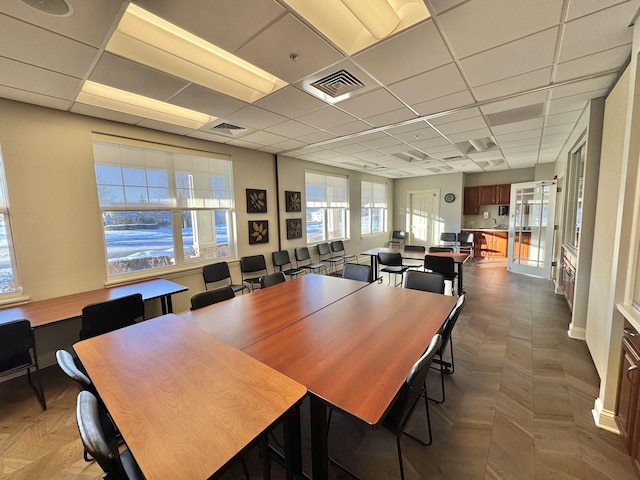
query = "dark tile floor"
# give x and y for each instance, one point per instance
(518, 405)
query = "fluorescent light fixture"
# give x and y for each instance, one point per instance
(355, 24)
(111, 98)
(152, 41)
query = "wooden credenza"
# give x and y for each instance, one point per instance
(627, 404)
(568, 275)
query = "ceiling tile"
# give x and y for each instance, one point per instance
(509, 61)
(391, 118)
(349, 128)
(126, 75)
(252, 116)
(89, 23)
(429, 85)
(29, 97)
(586, 7)
(165, 127)
(444, 103)
(405, 55)
(291, 129)
(28, 78)
(370, 104)
(290, 102)
(473, 28)
(270, 50)
(208, 101)
(326, 118)
(611, 25)
(612, 59)
(264, 138)
(582, 87)
(43, 48)
(510, 86)
(474, 123)
(221, 22)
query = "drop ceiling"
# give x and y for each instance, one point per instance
(478, 86)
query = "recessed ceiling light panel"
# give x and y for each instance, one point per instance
(59, 8)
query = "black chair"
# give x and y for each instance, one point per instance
(415, 248)
(325, 255)
(355, 271)
(425, 281)
(465, 243)
(402, 407)
(217, 272)
(397, 239)
(282, 260)
(100, 440)
(337, 247)
(209, 297)
(447, 368)
(441, 249)
(18, 352)
(303, 260)
(254, 265)
(392, 264)
(272, 279)
(443, 265)
(104, 317)
(448, 239)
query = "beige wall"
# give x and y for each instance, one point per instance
(48, 157)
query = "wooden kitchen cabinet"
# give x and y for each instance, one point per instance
(471, 200)
(503, 194)
(627, 414)
(488, 195)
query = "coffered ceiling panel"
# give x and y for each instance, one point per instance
(476, 86)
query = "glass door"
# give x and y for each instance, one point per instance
(531, 226)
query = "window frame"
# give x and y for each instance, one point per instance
(375, 203)
(332, 204)
(16, 290)
(180, 206)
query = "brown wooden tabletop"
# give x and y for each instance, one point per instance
(248, 318)
(355, 353)
(44, 312)
(185, 402)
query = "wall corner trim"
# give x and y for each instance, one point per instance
(604, 419)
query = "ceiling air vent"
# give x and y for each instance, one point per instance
(338, 83)
(228, 129)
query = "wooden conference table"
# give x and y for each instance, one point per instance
(458, 258)
(45, 312)
(186, 403)
(351, 346)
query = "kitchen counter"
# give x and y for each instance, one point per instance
(485, 229)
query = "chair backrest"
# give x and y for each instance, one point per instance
(209, 297)
(425, 281)
(448, 237)
(280, 258)
(390, 259)
(103, 317)
(355, 271)
(324, 249)
(411, 390)
(70, 368)
(465, 237)
(415, 248)
(272, 279)
(443, 265)
(441, 249)
(397, 235)
(302, 254)
(101, 442)
(450, 322)
(216, 272)
(16, 342)
(253, 264)
(337, 246)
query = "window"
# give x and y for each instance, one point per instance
(162, 206)
(373, 213)
(327, 207)
(9, 280)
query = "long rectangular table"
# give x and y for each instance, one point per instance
(186, 403)
(354, 354)
(459, 259)
(45, 312)
(249, 318)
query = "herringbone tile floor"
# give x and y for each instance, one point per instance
(518, 405)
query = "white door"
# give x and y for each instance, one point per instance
(531, 228)
(424, 213)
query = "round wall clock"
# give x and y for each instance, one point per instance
(449, 197)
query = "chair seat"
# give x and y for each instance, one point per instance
(293, 272)
(394, 269)
(15, 363)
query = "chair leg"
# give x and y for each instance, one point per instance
(442, 373)
(400, 457)
(39, 391)
(452, 368)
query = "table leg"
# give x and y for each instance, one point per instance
(374, 268)
(292, 443)
(166, 304)
(460, 289)
(319, 449)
